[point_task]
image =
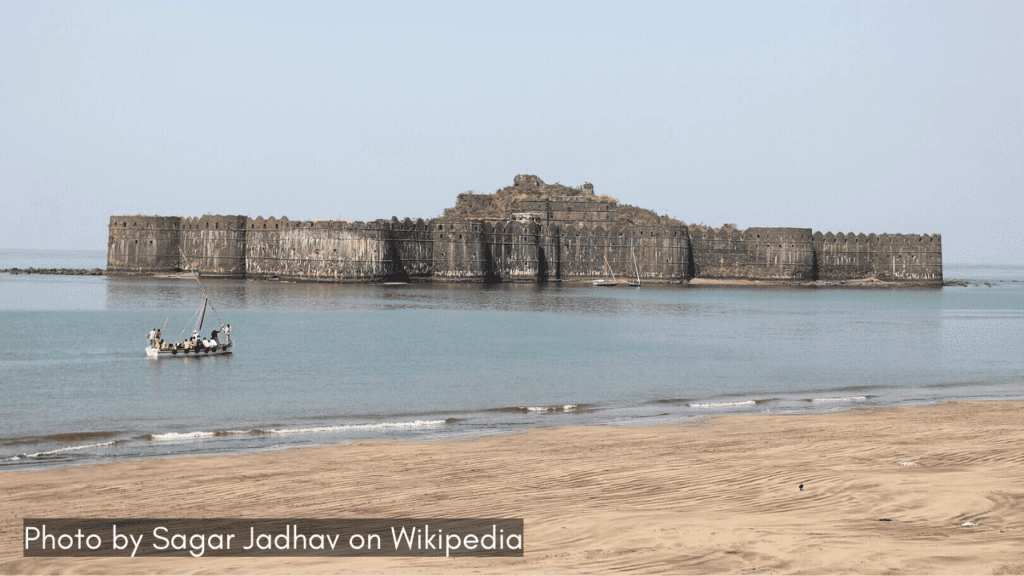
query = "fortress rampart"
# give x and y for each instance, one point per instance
(754, 253)
(568, 237)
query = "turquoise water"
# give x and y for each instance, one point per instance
(331, 363)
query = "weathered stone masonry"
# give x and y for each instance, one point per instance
(558, 238)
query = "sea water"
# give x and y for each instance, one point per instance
(318, 363)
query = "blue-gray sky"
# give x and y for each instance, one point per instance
(837, 116)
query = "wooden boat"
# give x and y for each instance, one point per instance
(605, 281)
(195, 345)
(184, 353)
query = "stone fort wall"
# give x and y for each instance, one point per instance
(507, 250)
(899, 257)
(754, 253)
(530, 231)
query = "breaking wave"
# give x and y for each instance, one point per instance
(843, 399)
(59, 451)
(557, 408)
(721, 404)
(180, 436)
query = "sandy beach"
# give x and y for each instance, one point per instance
(719, 495)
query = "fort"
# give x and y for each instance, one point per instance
(530, 231)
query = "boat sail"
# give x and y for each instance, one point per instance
(635, 267)
(606, 281)
(194, 345)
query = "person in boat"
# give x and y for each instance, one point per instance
(213, 336)
(152, 337)
(227, 333)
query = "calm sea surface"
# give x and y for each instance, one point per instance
(331, 363)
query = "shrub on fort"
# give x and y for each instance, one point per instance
(627, 214)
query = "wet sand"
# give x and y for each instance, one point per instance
(719, 495)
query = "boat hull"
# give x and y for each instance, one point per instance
(220, 351)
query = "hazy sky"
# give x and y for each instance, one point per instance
(865, 117)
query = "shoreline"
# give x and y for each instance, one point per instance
(687, 281)
(718, 494)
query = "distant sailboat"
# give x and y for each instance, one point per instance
(635, 267)
(605, 281)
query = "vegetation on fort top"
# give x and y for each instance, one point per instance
(502, 203)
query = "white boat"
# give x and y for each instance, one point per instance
(605, 281)
(196, 344)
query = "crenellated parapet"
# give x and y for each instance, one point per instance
(656, 252)
(891, 257)
(753, 254)
(214, 245)
(338, 250)
(460, 250)
(143, 244)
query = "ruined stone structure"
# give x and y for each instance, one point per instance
(530, 231)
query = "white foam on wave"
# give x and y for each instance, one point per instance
(61, 450)
(176, 436)
(379, 426)
(564, 408)
(843, 399)
(721, 404)
(179, 436)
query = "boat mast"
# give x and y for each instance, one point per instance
(635, 267)
(202, 316)
(609, 268)
(191, 269)
(203, 288)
